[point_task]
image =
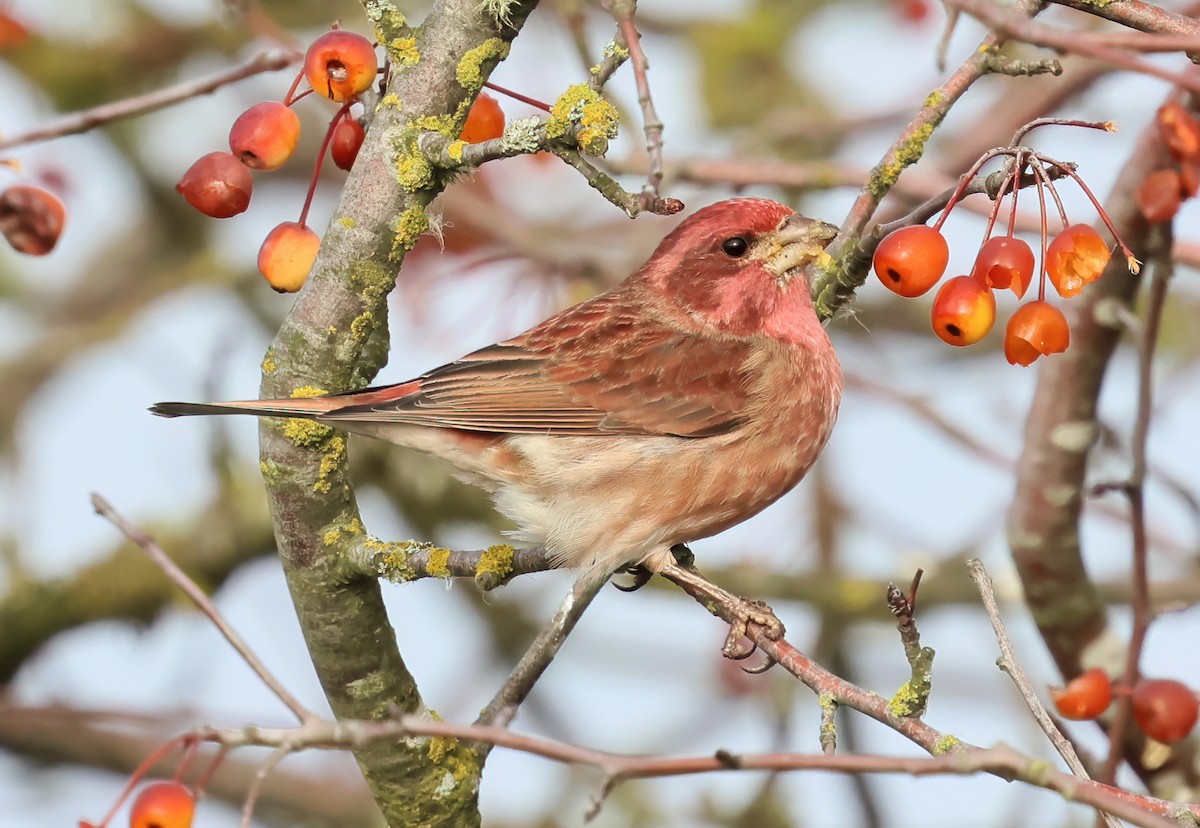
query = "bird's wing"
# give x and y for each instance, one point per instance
(598, 368)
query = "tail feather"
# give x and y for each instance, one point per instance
(305, 408)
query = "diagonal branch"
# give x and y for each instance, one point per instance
(77, 122)
(204, 603)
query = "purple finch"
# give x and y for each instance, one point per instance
(679, 403)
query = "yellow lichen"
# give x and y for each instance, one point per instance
(306, 433)
(443, 124)
(470, 69)
(439, 563)
(944, 745)
(906, 702)
(337, 530)
(369, 686)
(392, 101)
(308, 391)
(386, 17)
(268, 365)
(908, 153)
(408, 228)
(334, 454)
(494, 566)
(585, 111)
(347, 222)
(403, 51)
(455, 151)
(391, 559)
(373, 280)
(272, 472)
(413, 170)
(439, 746)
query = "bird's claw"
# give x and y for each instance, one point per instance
(641, 577)
(751, 614)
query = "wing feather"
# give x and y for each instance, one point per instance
(598, 368)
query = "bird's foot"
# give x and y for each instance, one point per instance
(744, 616)
(641, 577)
(642, 573)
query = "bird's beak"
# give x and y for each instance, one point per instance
(797, 243)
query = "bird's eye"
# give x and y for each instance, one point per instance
(735, 247)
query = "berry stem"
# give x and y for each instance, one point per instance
(1038, 172)
(967, 178)
(987, 234)
(202, 783)
(290, 98)
(1012, 212)
(1019, 136)
(517, 96)
(312, 186)
(156, 756)
(1134, 264)
(190, 748)
(1062, 213)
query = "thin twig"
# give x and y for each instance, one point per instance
(203, 602)
(835, 285)
(651, 123)
(915, 692)
(1019, 27)
(1000, 760)
(1009, 664)
(76, 122)
(260, 779)
(1146, 336)
(503, 706)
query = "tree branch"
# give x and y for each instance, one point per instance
(323, 344)
(77, 122)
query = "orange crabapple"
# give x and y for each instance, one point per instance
(1076, 257)
(346, 141)
(1166, 710)
(1005, 262)
(217, 185)
(485, 120)
(1085, 697)
(964, 310)
(287, 255)
(911, 260)
(340, 65)
(1180, 132)
(265, 135)
(31, 219)
(163, 805)
(1036, 329)
(1159, 195)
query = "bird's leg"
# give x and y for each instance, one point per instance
(642, 573)
(744, 612)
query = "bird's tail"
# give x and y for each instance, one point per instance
(305, 408)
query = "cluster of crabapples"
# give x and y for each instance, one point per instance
(339, 66)
(911, 260)
(1163, 191)
(1166, 710)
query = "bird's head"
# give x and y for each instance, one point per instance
(738, 265)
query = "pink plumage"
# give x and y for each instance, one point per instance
(679, 403)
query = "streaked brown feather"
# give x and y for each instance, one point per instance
(591, 370)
